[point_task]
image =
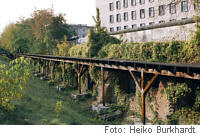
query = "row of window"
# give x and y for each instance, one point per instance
(125, 4)
(141, 25)
(134, 3)
(161, 10)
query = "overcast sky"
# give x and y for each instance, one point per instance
(77, 11)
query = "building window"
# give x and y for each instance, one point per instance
(125, 16)
(197, 4)
(151, 0)
(111, 18)
(151, 12)
(161, 21)
(118, 28)
(184, 6)
(142, 13)
(134, 26)
(111, 29)
(118, 5)
(111, 6)
(142, 1)
(133, 15)
(161, 10)
(142, 25)
(125, 3)
(126, 27)
(118, 18)
(172, 8)
(133, 2)
(151, 23)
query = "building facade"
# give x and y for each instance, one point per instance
(122, 16)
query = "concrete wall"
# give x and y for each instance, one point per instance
(183, 32)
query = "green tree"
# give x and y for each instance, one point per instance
(13, 79)
(99, 37)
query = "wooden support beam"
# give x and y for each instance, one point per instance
(102, 86)
(46, 68)
(39, 69)
(80, 72)
(64, 72)
(150, 82)
(142, 80)
(79, 83)
(135, 80)
(109, 76)
(143, 108)
(143, 97)
(52, 70)
(83, 71)
(143, 90)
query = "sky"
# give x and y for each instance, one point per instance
(77, 11)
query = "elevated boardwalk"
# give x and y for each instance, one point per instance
(187, 71)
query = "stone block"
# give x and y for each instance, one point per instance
(60, 88)
(112, 116)
(100, 109)
(44, 78)
(81, 97)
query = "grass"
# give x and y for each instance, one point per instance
(37, 107)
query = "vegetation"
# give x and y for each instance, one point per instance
(47, 33)
(38, 34)
(43, 104)
(13, 79)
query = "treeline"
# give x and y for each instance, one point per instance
(38, 34)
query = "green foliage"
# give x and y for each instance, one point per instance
(177, 92)
(94, 73)
(58, 108)
(70, 76)
(197, 99)
(171, 52)
(13, 79)
(79, 51)
(122, 98)
(185, 116)
(96, 40)
(111, 51)
(99, 37)
(38, 34)
(63, 49)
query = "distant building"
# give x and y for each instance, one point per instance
(82, 31)
(149, 20)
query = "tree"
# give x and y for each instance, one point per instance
(38, 34)
(13, 79)
(99, 37)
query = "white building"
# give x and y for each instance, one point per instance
(146, 20)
